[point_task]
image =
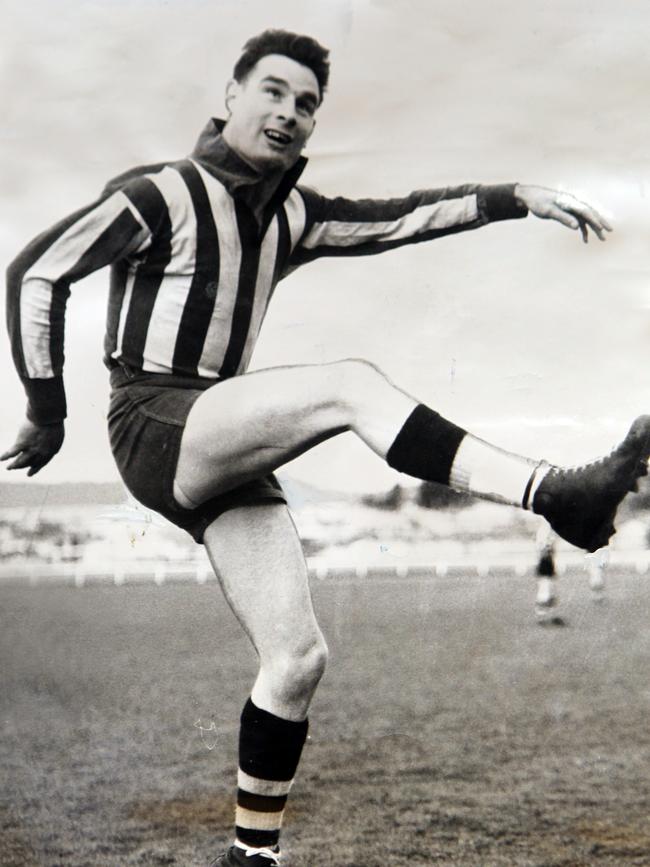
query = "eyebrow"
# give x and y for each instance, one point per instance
(306, 94)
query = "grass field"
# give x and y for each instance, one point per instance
(449, 728)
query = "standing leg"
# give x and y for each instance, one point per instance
(258, 559)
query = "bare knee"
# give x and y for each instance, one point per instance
(358, 382)
(295, 675)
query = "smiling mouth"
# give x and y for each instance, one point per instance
(278, 138)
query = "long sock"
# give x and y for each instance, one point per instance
(434, 449)
(269, 752)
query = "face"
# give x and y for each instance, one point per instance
(272, 112)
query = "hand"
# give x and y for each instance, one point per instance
(563, 207)
(35, 446)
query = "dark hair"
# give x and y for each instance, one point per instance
(302, 49)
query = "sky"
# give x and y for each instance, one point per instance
(518, 331)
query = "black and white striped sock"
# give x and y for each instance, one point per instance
(269, 752)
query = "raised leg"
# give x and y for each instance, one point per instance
(250, 425)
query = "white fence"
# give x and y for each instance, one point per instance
(199, 571)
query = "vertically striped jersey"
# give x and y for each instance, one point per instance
(193, 269)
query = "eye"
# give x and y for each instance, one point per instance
(306, 107)
(275, 92)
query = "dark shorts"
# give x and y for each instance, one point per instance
(146, 418)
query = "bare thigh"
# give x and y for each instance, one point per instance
(250, 425)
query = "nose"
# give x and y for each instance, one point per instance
(287, 111)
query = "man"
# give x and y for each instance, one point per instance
(196, 248)
(547, 596)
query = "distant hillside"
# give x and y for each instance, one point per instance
(63, 494)
(106, 493)
(299, 494)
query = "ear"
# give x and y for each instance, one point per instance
(232, 91)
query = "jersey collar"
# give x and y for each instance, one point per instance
(239, 178)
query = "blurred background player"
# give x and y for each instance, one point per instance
(547, 596)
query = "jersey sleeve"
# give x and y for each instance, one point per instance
(362, 227)
(38, 286)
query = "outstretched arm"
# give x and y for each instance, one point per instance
(349, 227)
(362, 227)
(563, 207)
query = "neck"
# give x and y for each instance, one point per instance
(269, 179)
